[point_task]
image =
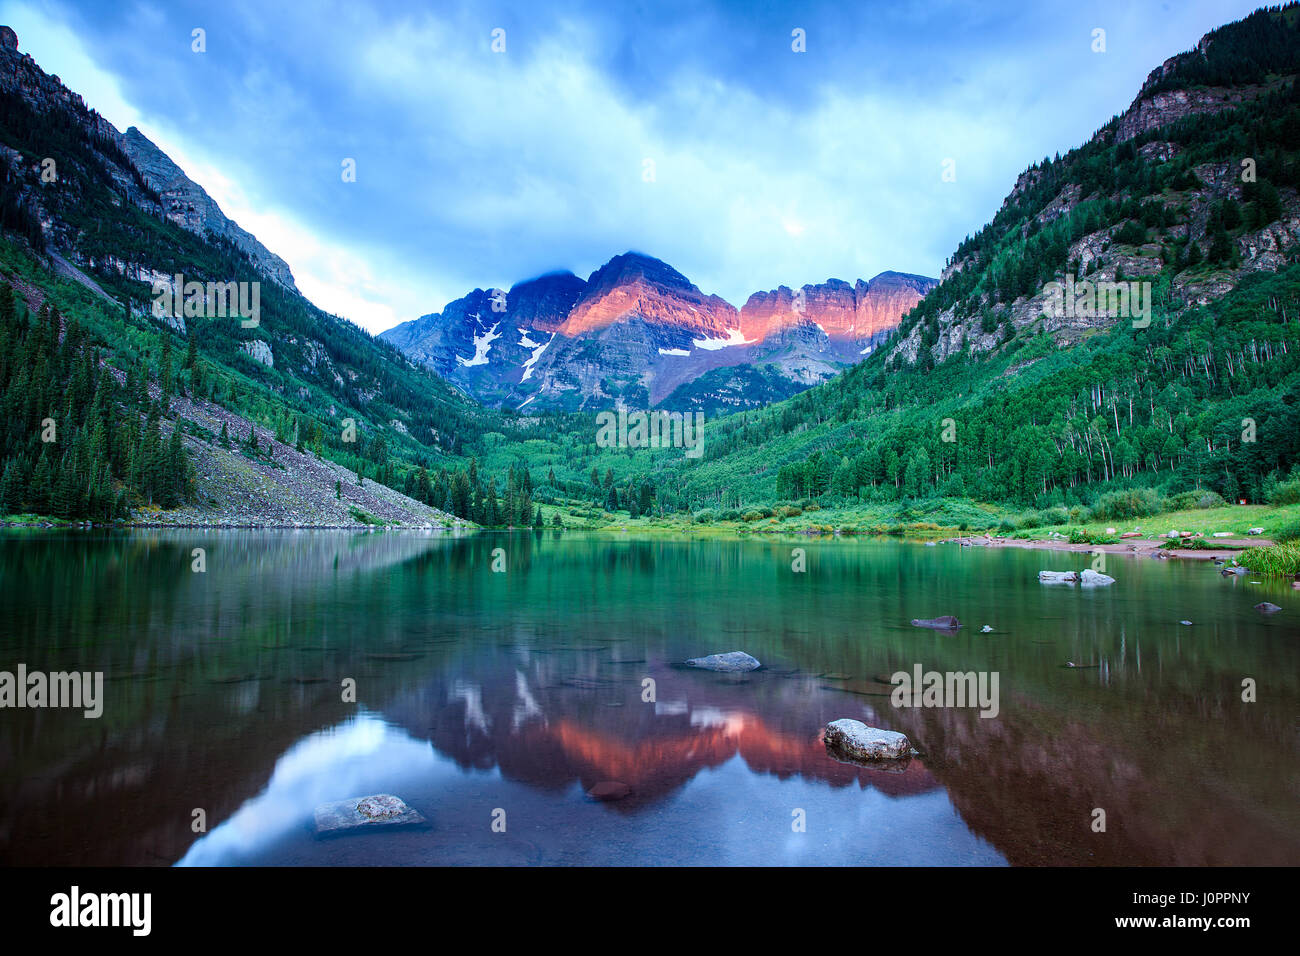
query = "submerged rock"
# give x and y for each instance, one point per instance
(1091, 578)
(609, 790)
(854, 740)
(1057, 577)
(1263, 607)
(986, 629)
(732, 661)
(379, 810)
(945, 623)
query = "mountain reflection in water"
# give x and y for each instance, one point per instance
(481, 693)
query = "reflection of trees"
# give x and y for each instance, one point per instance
(1157, 736)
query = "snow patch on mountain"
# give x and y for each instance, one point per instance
(734, 337)
(537, 353)
(482, 344)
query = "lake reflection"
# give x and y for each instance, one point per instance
(483, 694)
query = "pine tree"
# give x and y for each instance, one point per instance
(10, 487)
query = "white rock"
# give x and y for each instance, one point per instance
(1057, 577)
(1091, 578)
(855, 740)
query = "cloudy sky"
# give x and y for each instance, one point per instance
(691, 131)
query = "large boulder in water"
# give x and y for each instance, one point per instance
(854, 740)
(1263, 607)
(945, 623)
(1094, 579)
(731, 662)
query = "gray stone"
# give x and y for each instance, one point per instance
(854, 740)
(259, 351)
(730, 662)
(945, 623)
(1090, 578)
(1263, 607)
(1057, 577)
(378, 810)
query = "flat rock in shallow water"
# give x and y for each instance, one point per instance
(854, 740)
(379, 810)
(730, 662)
(945, 623)
(1057, 577)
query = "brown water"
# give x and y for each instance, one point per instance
(483, 694)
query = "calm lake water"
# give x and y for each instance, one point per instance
(482, 694)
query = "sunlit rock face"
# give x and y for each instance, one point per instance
(639, 333)
(633, 285)
(858, 312)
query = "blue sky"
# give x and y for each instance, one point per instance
(477, 168)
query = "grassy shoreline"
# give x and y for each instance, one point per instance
(875, 522)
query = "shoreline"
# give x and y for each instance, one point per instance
(1150, 547)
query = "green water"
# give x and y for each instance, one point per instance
(487, 695)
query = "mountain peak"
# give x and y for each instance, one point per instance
(632, 265)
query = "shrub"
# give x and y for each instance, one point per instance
(1084, 536)
(1006, 524)
(1200, 498)
(750, 515)
(704, 517)
(1056, 515)
(1027, 520)
(1283, 533)
(1286, 493)
(1134, 503)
